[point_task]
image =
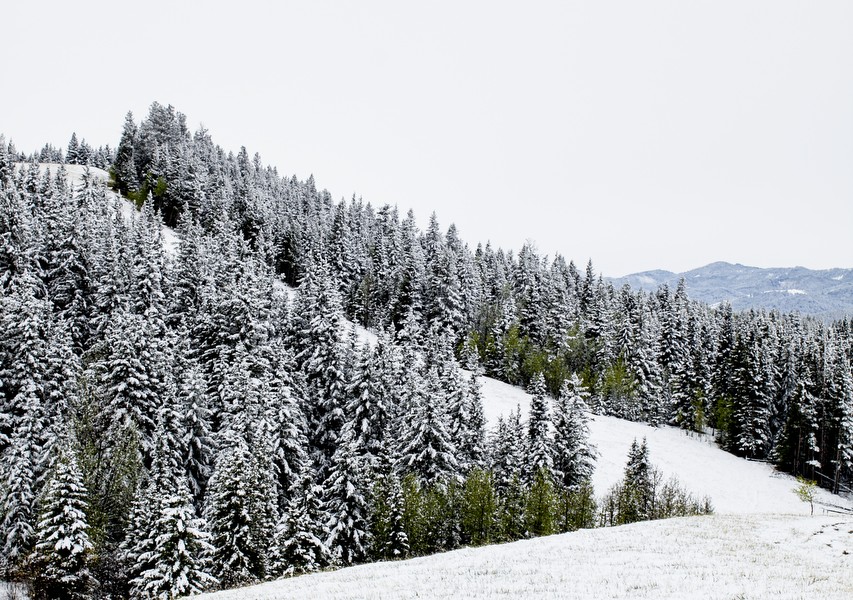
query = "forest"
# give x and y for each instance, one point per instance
(172, 421)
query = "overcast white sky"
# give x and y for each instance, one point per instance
(639, 134)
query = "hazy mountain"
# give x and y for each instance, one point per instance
(827, 293)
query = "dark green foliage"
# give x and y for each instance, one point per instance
(540, 505)
(576, 508)
(479, 508)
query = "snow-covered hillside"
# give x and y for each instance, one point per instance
(734, 485)
(74, 175)
(716, 557)
(747, 496)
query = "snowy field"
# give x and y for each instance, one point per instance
(718, 557)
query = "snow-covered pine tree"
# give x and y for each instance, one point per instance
(236, 558)
(317, 317)
(60, 561)
(427, 448)
(574, 456)
(368, 415)
(540, 451)
(472, 446)
(17, 497)
(178, 554)
(635, 501)
(72, 154)
(507, 452)
(347, 507)
(299, 542)
(196, 440)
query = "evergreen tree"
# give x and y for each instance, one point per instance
(427, 449)
(177, 559)
(574, 457)
(637, 491)
(62, 552)
(480, 508)
(388, 537)
(299, 541)
(347, 508)
(236, 557)
(539, 445)
(541, 504)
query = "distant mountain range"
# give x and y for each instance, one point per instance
(827, 294)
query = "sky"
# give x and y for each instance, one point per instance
(640, 135)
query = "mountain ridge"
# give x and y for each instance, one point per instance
(826, 293)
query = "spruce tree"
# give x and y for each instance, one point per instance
(60, 561)
(299, 541)
(574, 457)
(235, 557)
(427, 449)
(178, 556)
(539, 443)
(347, 508)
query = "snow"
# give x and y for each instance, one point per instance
(12, 591)
(796, 292)
(715, 557)
(839, 277)
(734, 485)
(74, 176)
(363, 336)
(747, 549)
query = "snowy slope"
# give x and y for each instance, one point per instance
(716, 557)
(749, 498)
(74, 176)
(734, 485)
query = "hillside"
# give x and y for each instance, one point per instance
(825, 293)
(190, 371)
(717, 557)
(734, 485)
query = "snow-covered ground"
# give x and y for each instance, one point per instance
(717, 557)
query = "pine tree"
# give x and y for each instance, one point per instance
(635, 502)
(60, 561)
(178, 556)
(236, 558)
(197, 439)
(347, 508)
(480, 508)
(541, 504)
(368, 412)
(72, 154)
(299, 541)
(388, 537)
(574, 457)
(18, 498)
(539, 445)
(427, 449)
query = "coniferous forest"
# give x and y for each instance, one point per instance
(174, 418)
